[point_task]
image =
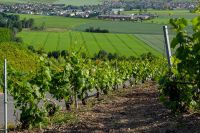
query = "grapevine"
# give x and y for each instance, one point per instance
(71, 78)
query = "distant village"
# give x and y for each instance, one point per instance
(107, 10)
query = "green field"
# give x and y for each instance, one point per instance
(79, 24)
(150, 33)
(154, 41)
(125, 38)
(123, 44)
(57, 21)
(124, 27)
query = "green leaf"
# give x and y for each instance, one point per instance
(174, 43)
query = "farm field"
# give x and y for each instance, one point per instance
(124, 27)
(57, 21)
(67, 31)
(122, 44)
(154, 41)
(79, 24)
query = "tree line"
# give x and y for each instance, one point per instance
(96, 30)
(13, 22)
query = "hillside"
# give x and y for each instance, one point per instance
(18, 57)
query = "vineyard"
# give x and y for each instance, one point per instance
(5, 35)
(71, 78)
(124, 87)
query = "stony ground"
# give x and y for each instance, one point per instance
(134, 110)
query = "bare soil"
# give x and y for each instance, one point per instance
(132, 110)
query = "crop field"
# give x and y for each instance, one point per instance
(154, 41)
(64, 33)
(79, 24)
(124, 27)
(123, 44)
(57, 22)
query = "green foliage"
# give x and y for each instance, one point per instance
(5, 35)
(71, 78)
(14, 23)
(181, 87)
(64, 117)
(18, 57)
(28, 91)
(97, 30)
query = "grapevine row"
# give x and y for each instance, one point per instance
(71, 78)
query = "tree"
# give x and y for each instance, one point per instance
(43, 26)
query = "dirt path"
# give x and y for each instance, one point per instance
(132, 110)
(135, 110)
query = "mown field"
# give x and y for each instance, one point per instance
(122, 44)
(124, 27)
(154, 41)
(57, 21)
(79, 24)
